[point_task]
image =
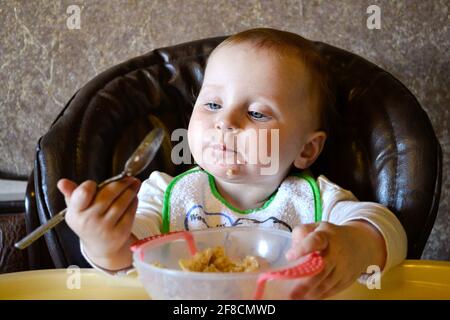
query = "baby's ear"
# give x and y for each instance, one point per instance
(311, 150)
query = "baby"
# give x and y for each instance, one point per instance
(275, 84)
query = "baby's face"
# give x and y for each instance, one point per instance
(246, 90)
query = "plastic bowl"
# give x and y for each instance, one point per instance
(173, 283)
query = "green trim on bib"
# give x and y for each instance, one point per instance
(219, 197)
(316, 192)
(165, 228)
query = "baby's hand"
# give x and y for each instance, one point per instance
(102, 219)
(346, 254)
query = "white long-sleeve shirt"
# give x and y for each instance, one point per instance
(338, 207)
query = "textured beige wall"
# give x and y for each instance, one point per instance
(42, 62)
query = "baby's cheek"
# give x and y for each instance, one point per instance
(259, 145)
(194, 141)
(272, 144)
(198, 137)
(288, 150)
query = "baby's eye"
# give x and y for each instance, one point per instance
(258, 116)
(212, 106)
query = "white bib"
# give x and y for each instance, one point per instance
(192, 202)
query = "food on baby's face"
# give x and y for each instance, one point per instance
(215, 260)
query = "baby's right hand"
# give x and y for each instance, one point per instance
(103, 219)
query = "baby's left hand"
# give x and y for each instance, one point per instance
(346, 250)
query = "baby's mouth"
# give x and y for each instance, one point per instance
(223, 155)
(222, 147)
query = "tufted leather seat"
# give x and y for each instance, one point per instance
(384, 148)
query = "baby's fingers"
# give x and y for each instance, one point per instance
(109, 194)
(315, 241)
(312, 287)
(337, 288)
(125, 224)
(67, 187)
(304, 230)
(83, 195)
(121, 204)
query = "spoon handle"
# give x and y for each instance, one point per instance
(42, 229)
(55, 220)
(112, 179)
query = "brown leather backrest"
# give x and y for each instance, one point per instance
(383, 149)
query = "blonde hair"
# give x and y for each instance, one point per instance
(282, 43)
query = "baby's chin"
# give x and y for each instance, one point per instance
(237, 173)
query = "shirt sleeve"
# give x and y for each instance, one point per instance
(148, 219)
(340, 206)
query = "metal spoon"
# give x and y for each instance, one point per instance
(138, 161)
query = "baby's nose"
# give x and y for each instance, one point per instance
(225, 125)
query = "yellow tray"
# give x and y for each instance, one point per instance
(414, 279)
(56, 284)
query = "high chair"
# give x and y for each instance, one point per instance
(383, 149)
